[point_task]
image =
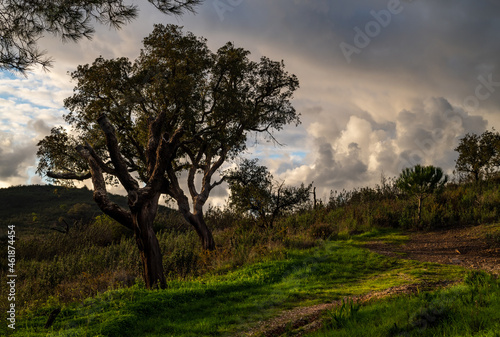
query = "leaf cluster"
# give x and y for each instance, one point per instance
(478, 155)
(24, 22)
(421, 180)
(254, 191)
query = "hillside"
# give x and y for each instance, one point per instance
(39, 207)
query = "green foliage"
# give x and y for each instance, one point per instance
(421, 182)
(478, 155)
(25, 22)
(253, 190)
(471, 309)
(341, 316)
(323, 231)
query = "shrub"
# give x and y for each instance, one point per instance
(323, 231)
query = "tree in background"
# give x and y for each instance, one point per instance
(421, 182)
(478, 155)
(24, 22)
(178, 112)
(77, 216)
(253, 190)
(491, 141)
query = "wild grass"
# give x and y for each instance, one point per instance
(469, 309)
(229, 303)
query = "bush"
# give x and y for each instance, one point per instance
(323, 231)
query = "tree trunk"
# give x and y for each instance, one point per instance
(205, 234)
(143, 216)
(197, 221)
(419, 209)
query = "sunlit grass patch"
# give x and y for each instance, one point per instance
(469, 309)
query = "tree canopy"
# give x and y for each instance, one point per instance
(179, 111)
(478, 155)
(254, 190)
(421, 181)
(24, 22)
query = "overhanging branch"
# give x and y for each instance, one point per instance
(69, 175)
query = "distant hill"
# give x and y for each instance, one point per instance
(38, 207)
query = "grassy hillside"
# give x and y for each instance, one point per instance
(36, 208)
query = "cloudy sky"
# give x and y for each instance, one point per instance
(383, 84)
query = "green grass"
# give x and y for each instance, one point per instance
(470, 309)
(228, 304)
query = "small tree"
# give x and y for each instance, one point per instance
(179, 108)
(420, 182)
(478, 155)
(253, 190)
(491, 142)
(78, 215)
(24, 22)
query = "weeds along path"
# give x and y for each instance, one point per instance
(304, 320)
(470, 247)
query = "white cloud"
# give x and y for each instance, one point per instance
(426, 134)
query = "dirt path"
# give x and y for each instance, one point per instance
(474, 248)
(471, 247)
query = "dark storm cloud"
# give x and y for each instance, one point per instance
(434, 42)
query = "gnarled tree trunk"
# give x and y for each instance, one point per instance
(196, 220)
(143, 215)
(205, 234)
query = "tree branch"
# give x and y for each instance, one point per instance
(164, 156)
(122, 173)
(154, 137)
(99, 161)
(101, 195)
(69, 175)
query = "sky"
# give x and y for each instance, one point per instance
(384, 84)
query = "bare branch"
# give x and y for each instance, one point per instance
(164, 155)
(154, 137)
